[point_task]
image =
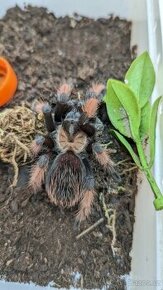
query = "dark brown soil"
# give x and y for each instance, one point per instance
(38, 241)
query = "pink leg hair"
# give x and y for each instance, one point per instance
(96, 89)
(85, 205)
(102, 156)
(37, 144)
(64, 89)
(38, 106)
(37, 175)
(92, 103)
(90, 107)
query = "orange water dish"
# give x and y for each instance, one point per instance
(8, 82)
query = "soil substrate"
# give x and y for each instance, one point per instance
(38, 240)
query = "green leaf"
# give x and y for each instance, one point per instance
(128, 147)
(104, 99)
(129, 104)
(141, 78)
(116, 112)
(145, 117)
(152, 130)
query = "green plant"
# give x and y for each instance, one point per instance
(132, 115)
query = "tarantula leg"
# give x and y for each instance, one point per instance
(47, 111)
(62, 104)
(45, 108)
(88, 194)
(96, 91)
(37, 175)
(85, 205)
(90, 107)
(64, 92)
(93, 95)
(37, 106)
(37, 144)
(102, 156)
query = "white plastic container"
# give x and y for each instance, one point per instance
(147, 33)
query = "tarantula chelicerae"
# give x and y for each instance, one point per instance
(72, 127)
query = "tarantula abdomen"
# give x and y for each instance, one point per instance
(65, 179)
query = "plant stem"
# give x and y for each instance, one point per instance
(147, 171)
(158, 195)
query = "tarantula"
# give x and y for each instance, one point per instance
(62, 156)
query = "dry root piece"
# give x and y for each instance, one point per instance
(18, 126)
(110, 215)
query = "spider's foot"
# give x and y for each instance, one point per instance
(38, 106)
(64, 92)
(102, 156)
(49, 121)
(97, 91)
(37, 144)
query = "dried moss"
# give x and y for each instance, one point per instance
(18, 126)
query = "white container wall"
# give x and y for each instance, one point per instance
(147, 33)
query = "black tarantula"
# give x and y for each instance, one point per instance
(72, 127)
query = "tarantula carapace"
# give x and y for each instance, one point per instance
(62, 156)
